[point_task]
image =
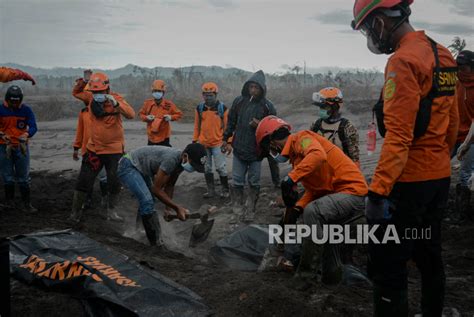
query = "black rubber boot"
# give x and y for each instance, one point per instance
(111, 212)
(77, 205)
(225, 186)
(103, 195)
(237, 196)
(9, 195)
(211, 191)
(25, 200)
(390, 303)
(152, 228)
(251, 204)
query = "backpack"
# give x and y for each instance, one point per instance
(317, 126)
(220, 111)
(438, 89)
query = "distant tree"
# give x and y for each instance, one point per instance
(457, 46)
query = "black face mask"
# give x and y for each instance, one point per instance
(210, 100)
(97, 109)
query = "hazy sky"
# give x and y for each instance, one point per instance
(249, 34)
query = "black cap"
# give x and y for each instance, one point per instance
(14, 93)
(465, 58)
(197, 154)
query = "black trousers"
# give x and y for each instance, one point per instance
(92, 164)
(415, 207)
(165, 142)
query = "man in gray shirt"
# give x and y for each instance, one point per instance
(154, 170)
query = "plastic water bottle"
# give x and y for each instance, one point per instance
(371, 139)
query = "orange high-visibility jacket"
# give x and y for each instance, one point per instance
(211, 132)
(106, 134)
(321, 167)
(465, 94)
(408, 78)
(165, 107)
(83, 131)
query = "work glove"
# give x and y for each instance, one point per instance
(112, 100)
(150, 117)
(377, 209)
(75, 155)
(167, 117)
(289, 192)
(19, 74)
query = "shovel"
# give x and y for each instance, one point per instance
(200, 230)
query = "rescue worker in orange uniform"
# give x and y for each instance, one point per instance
(158, 112)
(411, 182)
(332, 125)
(82, 138)
(210, 121)
(465, 93)
(17, 126)
(335, 189)
(9, 74)
(106, 143)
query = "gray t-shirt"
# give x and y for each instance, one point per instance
(149, 159)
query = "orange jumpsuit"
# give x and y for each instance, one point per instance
(321, 167)
(165, 107)
(408, 78)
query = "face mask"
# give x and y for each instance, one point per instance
(157, 95)
(324, 114)
(279, 158)
(99, 98)
(210, 100)
(187, 167)
(372, 46)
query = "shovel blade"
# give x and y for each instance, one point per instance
(200, 232)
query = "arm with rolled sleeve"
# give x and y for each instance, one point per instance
(400, 110)
(79, 92)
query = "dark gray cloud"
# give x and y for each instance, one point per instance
(454, 29)
(336, 17)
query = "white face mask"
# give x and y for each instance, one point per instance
(187, 167)
(278, 157)
(157, 95)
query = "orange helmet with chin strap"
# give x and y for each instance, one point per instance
(364, 21)
(268, 126)
(328, 96)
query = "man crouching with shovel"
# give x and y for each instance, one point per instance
(334, 190)
(154, 170)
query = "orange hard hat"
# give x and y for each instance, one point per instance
(328, 96)
(363, 8)
(98, 82)
(159, 85)
(210, 87)
(268, 126)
